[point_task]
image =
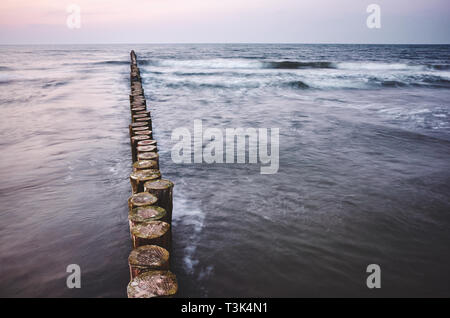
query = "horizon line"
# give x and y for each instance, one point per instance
(177, 43)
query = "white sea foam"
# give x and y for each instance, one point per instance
(211, 64)
(186, 214)
(368, 66)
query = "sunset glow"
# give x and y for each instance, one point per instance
(44, 21)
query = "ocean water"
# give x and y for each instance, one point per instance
(364, 175)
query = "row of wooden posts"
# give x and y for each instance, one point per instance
(150, 205)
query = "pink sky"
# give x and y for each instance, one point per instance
(147, 21)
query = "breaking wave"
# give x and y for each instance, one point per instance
(289, 65)
(241, 63)
(113, 63)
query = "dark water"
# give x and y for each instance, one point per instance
(364, 172)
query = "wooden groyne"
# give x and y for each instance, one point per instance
(150, 205)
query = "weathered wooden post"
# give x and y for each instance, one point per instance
(138, 117)
(140, 128)
(133, 126)
(147, 120)
(138, 98)
(146, 214)
(145, 165)
(138, 109)
(163, 190)
(148, 142)
(142, 149)
(139, 177)
(147, 258)
(134, 140)
(149, 156)
(141, 199)
(151, 233)
(153, 284)
(141, 131)
(135, 131)
(147, 132)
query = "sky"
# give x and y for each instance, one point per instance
(223, 21)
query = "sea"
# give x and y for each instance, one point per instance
(363, 178)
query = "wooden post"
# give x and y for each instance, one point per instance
(151, 233)
(147, 258)
(147, 148)
(145, 114)
(146, 214)
(138, 98)
(139, 177)
(145, 164)
(148, 142)
(141, 199)
(135, 131)
(145, 122)
(143, 132)
(148, 156)
(138, 109)
(134, 141)
(136, 118)
(133, 57)
(153, 284)
(163, 190)
(144, 119)
(141, 149)
(135, 125)
(139, 128)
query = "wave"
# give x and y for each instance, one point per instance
(243, 63)
(388, 83)
(424, 80)
(198, 85)
(54, 83)
(289, 65)
(439, 67)
(205, 63)
(374, 66)
(339, 82)
(298, 84)
(372, 82)
(6, 82)
(112, 63)
(201, 73)
(237, 73)
(238, 64)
